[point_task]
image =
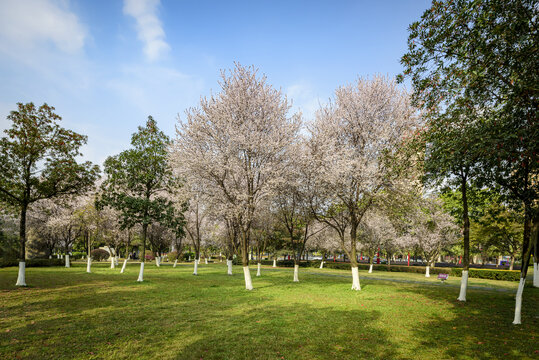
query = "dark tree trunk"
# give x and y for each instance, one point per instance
(144, 232)
(22, 233)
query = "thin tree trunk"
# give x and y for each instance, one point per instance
(466, 233)
(21, 278)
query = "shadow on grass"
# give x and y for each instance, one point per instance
(480, 328)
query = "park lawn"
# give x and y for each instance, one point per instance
(66, 313)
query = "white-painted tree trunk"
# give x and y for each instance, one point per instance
(258, 269)
(89, 265)
(322, 264)
(68, 263)
(57, 256)
(229, 267)
(50, 256)
(141, 273)
(189, 257)
(355, 279)
(62, 256)
(206, 261)
(209, 258)
(116, 260)
(112, 263)
(296, 273)
(123, 266)
(274, 263)
(158, 261)
(248, 281)
(518, 302)
(427, 271)
(195, 271)
(21, 278)
(535, 274)
(175, 263)
(370, 269)
(463, 286)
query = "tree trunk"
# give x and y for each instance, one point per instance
(536, 258)
(89, 265)
(245, 259)
(143, 255)
(258, 269)
(353, 257)
(21, 278)
(531, 227)
(195, 269)
(274, 262)
(466, 233)
(229, 266)
(68, 263)
(175, 263)
(427, 270)
(512, 262)
(123, 266)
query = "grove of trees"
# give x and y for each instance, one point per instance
(448, 168)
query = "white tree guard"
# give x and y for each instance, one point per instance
(21, 278)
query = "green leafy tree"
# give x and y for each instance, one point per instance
(479, 57)
(139, 182)
(38, 161)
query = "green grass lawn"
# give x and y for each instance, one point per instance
(66, 314)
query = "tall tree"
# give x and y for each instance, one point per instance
(354, 142)
(38, 161)
(138, 181)
(481, 55)
(236, 143)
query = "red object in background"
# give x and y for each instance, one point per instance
(460, 260)
(333, 258)
(408, 258)
(378, 256)
(361, 257)
(288, 257)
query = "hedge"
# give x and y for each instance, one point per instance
(507, 275)
(32, 262)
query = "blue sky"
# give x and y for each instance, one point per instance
(106, 65)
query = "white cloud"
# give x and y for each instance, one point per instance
(304, 99)
(29, 23)
(149, 28)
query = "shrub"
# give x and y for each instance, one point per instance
(99, 254)
(507, 275)
(173, 255)
(78, 254)
(33, 262)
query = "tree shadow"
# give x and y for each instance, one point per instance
(480, 328)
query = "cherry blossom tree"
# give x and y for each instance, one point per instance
(430, 229)
(236, 143)
(354, 140)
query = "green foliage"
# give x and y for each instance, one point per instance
(99, 254)
(173, 255)
(140, 183)
(37, 158)
(78, 254)
(32, 262)
(507, 275)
